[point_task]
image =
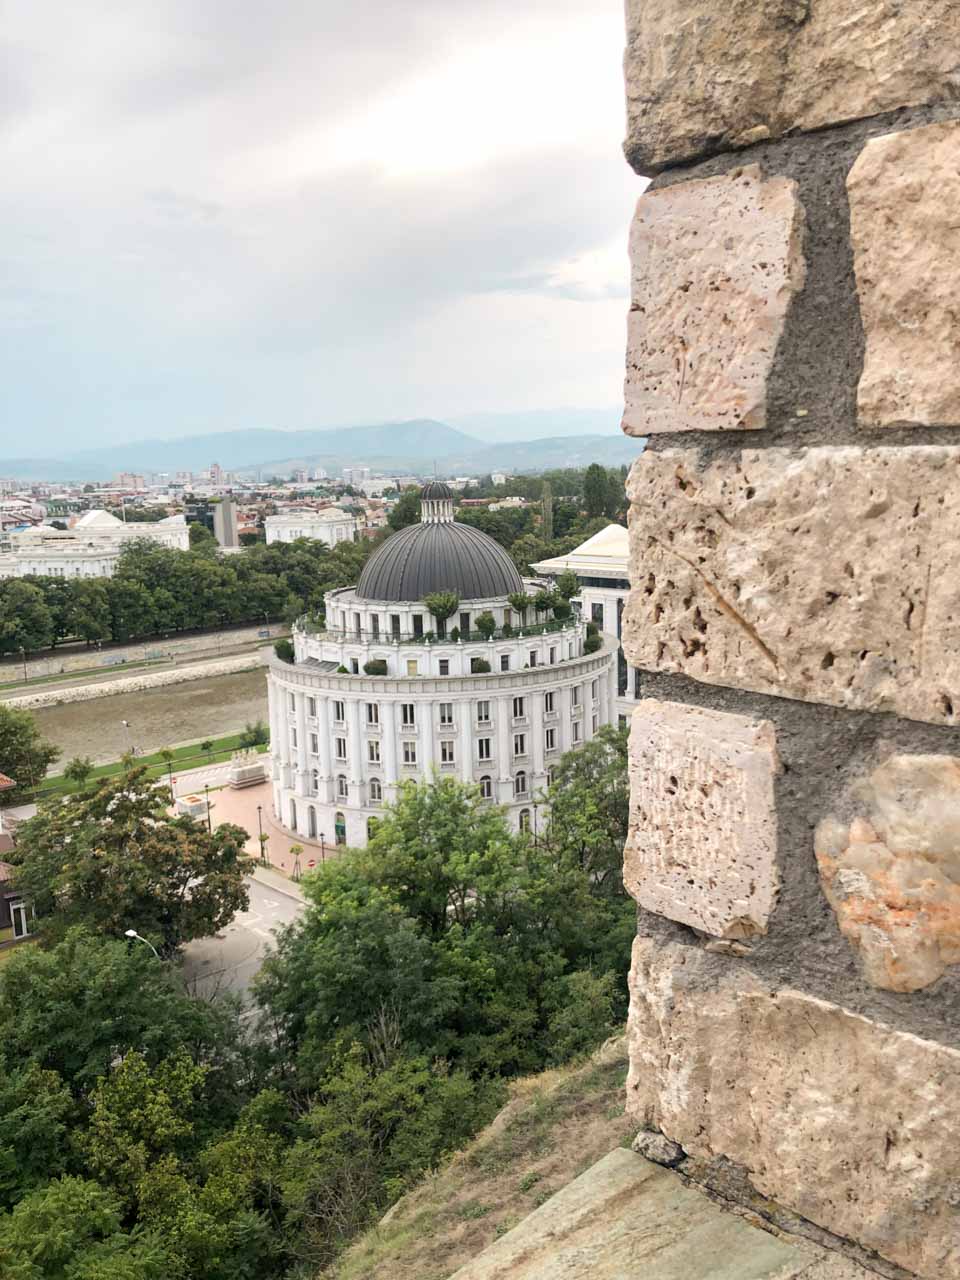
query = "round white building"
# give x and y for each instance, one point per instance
(386, 692)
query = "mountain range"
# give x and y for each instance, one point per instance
(421, 445)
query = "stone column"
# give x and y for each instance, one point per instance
(795, 607)
(303, 746)
(503, 708)
(355, 746)
(323, 734)
(388, 711)
(465, 747)
(427, 718)
(535, 735)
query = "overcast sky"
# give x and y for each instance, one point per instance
(233, 213)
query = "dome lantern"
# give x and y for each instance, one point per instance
(436, 503)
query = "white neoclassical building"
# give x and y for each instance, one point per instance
(329, 525)
(90, 548)
(379, 696)
(601, 568)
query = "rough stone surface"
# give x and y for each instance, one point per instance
(904, 191)
(847, 1121)
(626, 1217)
(702, 78)
(822, 574)
(702, 845)
(890, 867)
(654, 1146)
(715, 263)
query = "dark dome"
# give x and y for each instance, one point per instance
(435, 489)
(443, 556)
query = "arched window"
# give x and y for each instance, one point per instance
(520, 784)
(343, 791)
(312, 823)
(315, 780)
(372, 824)
(340, 828)
(524, 819)
(486, 787)
(376, 791)
(293, 815)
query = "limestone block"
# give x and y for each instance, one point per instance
(703, 77)
(890, 867)
(715, 263)
(904, 192)
(702, 845)
(826, 575)
(846, 1121)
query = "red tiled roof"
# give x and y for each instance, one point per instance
(6, 783)
(6, 871)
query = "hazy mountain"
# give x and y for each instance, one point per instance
(418, 446)
(539, 424)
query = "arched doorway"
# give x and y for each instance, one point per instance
(524, 819)
(293, 815)
(340, 828)
(312, 823)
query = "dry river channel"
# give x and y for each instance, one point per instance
(158, 718)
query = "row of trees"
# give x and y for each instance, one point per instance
(151, 1133)
(157, 590)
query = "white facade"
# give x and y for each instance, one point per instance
(90, 549)
(341, 741)
(601, 567)
(330, 526)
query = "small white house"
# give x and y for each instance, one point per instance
(329, 525)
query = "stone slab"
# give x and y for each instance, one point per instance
(843, 1120)
(904, 191)
(702, 844)
(889, 861)
(626, 1218)
(827, 575)
(702, 77)
(715, 263)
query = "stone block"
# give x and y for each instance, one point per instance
(904, 191)
(715, 263)
(702, 845)
(889, 863)
(846, 1121)
(704, 77)
(819, 574)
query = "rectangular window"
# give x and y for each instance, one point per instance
(576, 730)
(446, 713)
(519, 744)
(292, 702)
(19, 919)
(483, 748)
(595, 689)
(338, 712)
(340, 748)
(373, 752)
(444, 666)
(395, 625)
(355, 666)
(596, 723)
(596, 614)
(312, 707)
(418, 624)
(518, 706)
(412, 667)
(343, 790)
(533, 658)
(464, 625)
(373, 713)
(551, 739)
(293, 738)
(446, 751)
(409, 753)
(375, 626)
(408, 715)
(548, 702)
(504, 662)
(483, 712)
(575, 696)
(314, 745)
(553, 655)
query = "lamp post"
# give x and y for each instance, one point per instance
(23, 655)
(206, 796)
(323, 850)
(534, 824)
(132, 933)
(262, 838)
(126, 725)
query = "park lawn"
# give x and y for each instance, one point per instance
(186, 757)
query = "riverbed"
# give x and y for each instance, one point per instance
(157, 718)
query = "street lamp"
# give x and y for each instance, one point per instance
(262, 838)
(323, 851)
(23, 655)
(534, 824)
(206, 796)
(132, 933)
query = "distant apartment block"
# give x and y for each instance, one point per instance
(330, 525)
(225, 523)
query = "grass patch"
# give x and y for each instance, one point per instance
(555, 1126)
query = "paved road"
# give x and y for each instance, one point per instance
(231, 959)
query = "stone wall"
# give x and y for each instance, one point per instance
(795, 607)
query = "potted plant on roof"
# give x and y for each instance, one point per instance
(442, 605)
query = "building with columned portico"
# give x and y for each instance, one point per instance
(384, 692)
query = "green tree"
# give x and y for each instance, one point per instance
(520, 602)
(37, 1110)
(596, 491)
(544, 601)
(584, 1011)
(589, 806)
(406, 511)
(26, 621)
(131, 609)
(486, 624)
(442, 605)
(254, 735)
(546, 511)
(78, 770)
(89, 612)
(25, 755)
(284, 650)
(112, 858)
(567, 585)
(207, 748)
(202, 539)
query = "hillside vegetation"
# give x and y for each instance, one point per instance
(555, 1127)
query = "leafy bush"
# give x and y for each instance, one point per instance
(486, 624)
(479, 666)
(592, 644)
(507, 629)
(284, 650)
(592, 629)
(562, 610)
(376, 667)
(254, 735)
